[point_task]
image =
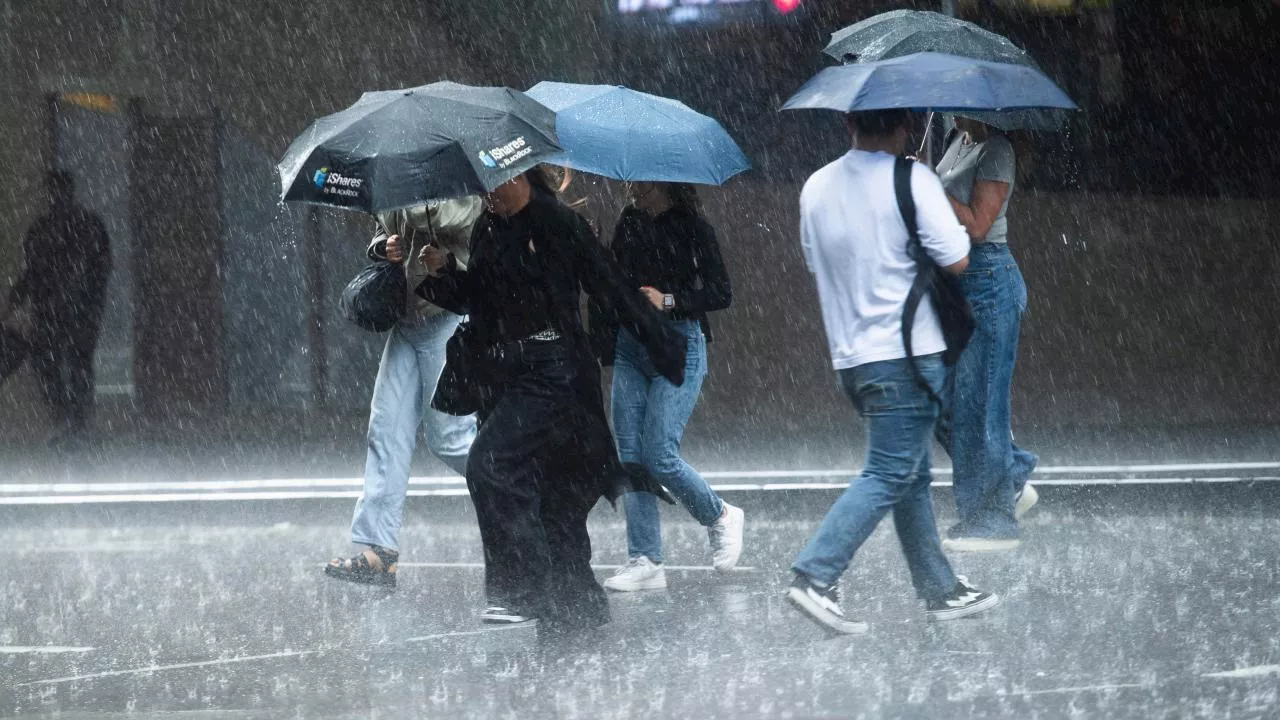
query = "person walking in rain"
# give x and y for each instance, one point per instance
(978, 172)
(855, 243)
(407, 376)
(670, 253)
(62, 290)
(544, 454)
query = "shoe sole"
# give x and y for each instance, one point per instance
(505, 619)
(822, 617)
(980, 545)
(1027, 501)
(660, 584)
(957, 613)
(731, 563)
(381, 580)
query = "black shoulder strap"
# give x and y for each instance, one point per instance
(924, 268)
(906, 203)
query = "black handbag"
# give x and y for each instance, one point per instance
(463, 382)
(943, 288)
(376, 298)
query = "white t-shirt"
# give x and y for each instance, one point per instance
(855, 243)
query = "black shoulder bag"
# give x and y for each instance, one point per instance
(943, 288)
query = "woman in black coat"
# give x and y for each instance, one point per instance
(543, 456)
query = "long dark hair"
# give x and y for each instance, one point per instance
(684, 196)
(554, 180)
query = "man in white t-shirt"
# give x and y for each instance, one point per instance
(855, 243)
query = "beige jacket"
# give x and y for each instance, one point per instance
(448, 223)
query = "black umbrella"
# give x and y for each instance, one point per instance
(399, 148)
(906, 32)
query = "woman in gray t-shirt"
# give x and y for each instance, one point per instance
(978, 171)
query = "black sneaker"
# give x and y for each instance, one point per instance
(964, 601)
(822, 605)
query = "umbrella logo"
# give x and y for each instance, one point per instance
(504, 156)
(320, 177)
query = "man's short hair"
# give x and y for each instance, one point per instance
(878, 123)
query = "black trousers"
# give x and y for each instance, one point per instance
(62, 358)
(533, 482)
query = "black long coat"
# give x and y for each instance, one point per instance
(529, 273)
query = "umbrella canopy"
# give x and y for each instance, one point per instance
(399, 148)
(906, 32)
(929, 81)
(629, 135)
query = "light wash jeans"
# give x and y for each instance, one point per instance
(900, 422)
(407, 377)
(990, 470)
(649, 417)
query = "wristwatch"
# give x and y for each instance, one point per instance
(668, 302)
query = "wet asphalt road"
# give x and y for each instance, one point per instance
(1123, 603)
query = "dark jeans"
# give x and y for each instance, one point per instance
(532, 492)
(62, 358)
(900, 421)
(989, 469)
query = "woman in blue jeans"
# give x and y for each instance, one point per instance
(978, 171)
(407, 375)
(670, 252)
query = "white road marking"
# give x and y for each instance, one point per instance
(84, 488)
(476, 565)
(1249, 672)
(60, 499)
(41, 649)
(268, 489)
(1080, 689)
(178, 666)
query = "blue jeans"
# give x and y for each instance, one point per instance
(900, 422)
(990, 470)
(649, 417)
(407, 377)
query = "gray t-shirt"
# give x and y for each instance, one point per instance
(963, 165)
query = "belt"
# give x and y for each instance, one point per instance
(502, 350)
(547, 335)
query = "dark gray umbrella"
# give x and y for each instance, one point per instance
(399, 148)
(906, 32)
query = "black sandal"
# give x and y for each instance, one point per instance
(360, 570)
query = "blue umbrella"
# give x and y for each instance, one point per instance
(929, 81)
(629, 135)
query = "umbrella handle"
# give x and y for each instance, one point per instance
(928, 128)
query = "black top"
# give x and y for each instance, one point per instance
(68, 263)
(526, 273)
(675, 252)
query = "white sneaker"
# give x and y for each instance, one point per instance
(638, 574)
(726, 538)
(1026, 500)
(979, 544)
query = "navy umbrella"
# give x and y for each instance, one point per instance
(400, 148)
(629, 135)
(929, 81)
(905, 32)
